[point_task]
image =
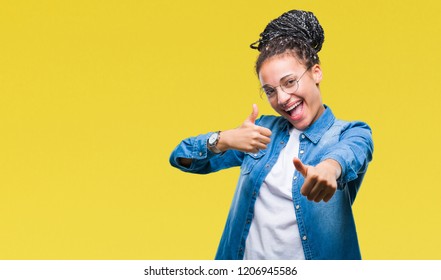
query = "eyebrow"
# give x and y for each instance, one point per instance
(281, 79)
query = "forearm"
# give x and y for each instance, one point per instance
(353, 151)
(195, 155)
(192, 155)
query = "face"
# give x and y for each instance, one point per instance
(303, 107)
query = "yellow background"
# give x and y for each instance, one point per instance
(94, 95)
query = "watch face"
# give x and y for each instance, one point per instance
(212, 138)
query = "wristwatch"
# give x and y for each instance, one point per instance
(212, 142)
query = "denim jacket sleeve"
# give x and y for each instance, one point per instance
(353, 152)
(203, 160)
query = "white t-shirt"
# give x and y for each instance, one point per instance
(274, 233)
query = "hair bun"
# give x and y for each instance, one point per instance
(296, 24)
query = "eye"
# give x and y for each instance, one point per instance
(290, 83)
(269, 91)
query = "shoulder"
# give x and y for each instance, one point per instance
(356, 130)
(347, 125)
(343, 125)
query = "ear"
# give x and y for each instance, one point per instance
(317, 73)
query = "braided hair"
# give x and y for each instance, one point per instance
(295, 31)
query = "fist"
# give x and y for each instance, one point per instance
(320, 180)
(249, 137)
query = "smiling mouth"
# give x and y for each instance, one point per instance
(293, 107)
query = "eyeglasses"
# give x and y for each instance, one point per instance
(289, 85)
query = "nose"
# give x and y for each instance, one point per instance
(282, 97)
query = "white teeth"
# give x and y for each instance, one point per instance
(293, 106)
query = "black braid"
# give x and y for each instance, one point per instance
(297, 31)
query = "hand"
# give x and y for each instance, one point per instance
(320, 180)
(246, 138)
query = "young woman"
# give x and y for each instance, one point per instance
(300, 171)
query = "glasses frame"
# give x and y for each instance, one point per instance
(282, 87)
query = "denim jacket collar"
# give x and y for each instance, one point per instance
(315, 132)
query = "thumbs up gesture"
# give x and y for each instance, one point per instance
(320, 180)
(254, 114)
(249, 137)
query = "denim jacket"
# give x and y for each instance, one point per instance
(327, 230)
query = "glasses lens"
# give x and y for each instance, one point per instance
(269, 91)
(290, 86)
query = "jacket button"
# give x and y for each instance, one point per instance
(304, 237)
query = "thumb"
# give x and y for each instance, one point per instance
(252, 118)
(298, 164)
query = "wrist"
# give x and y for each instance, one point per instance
(335, 166)
(213, 141)
(223, 143)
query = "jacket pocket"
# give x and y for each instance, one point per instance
(250, 160)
